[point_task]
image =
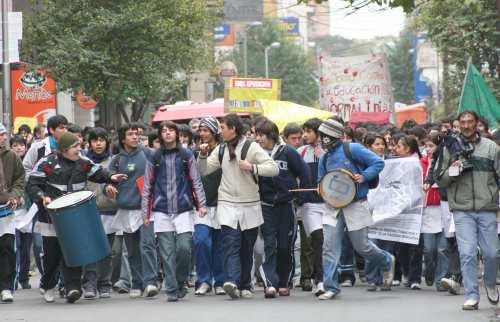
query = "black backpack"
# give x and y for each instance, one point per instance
(372, 184)
(243, 156)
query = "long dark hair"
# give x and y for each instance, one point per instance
(169, 125)
(233, 121)
(412, 143)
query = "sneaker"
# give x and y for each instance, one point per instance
(328, 295)
(182, 292)
(89, 295)
(172, 298)
(470, 305)
(372, 287)
(284, 291)
(320, 289)
(73, 296)
(135, 293)
(219, 290)
(346, 283)
(362, 276)
(270, 293)
(307, 285)
(415, 286)
(151, 291)
(396, 283)
(492, 294)
(389, 275)
(451, 285)
(202, 290)
(498, 280)
(120, 288)
(6, 296)
(49, 295)
(232, 290)
(246, 294)
(105, 293)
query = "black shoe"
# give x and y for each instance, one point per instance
(26, 285)
(181, 293)
(307, 285)
(73, 296)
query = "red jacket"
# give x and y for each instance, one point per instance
(432, 198)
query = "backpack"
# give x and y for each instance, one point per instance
(372, 184)
(243, 156)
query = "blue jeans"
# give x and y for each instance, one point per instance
(208, 254)
(332, 250)
(435, 257)
(473, 228)
(237, 247)
(148, 256)
(373, 272)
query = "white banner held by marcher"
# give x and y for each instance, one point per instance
(355, 84)
(397, 202)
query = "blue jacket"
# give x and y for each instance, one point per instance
(274, 190)
(368, 164)
(132, 164)
(173, 185)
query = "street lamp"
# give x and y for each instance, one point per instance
(266, 50)
(245, 45)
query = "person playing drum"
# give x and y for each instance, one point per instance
(364, 166)
(64, 172)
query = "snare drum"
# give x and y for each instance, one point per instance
(79, 228)
(5, 211)
(338, 188)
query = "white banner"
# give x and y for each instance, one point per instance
(355, 84)
(397, 202)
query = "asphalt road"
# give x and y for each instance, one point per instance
(353, 305)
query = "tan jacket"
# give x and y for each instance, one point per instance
(238, 186)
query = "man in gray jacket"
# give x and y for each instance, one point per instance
(470, 170)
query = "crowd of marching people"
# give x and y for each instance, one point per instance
(227, 205)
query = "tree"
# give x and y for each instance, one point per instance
(407, 5)
(120, 52)
(461, 30)
(399, 57)
(288, 63)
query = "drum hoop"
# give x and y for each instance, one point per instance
(54, 211)
(349, 173)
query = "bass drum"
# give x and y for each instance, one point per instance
(338, 188)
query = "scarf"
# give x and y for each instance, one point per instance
(97, 158)
(231, 146)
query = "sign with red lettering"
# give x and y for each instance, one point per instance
(355, 84)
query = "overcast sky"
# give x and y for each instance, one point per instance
(366, 23)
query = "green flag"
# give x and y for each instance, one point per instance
(477, 97)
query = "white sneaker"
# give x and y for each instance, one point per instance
(328, 295)
(320, 289)
(492, 295)
(470, 305)
(415, 286)
(151, 291)
(232, 290)
(49, 295)
(396, 283)
(202, 290)
(219, 290)
(389, 275)
(451, 285)
(6, 296)
(135, 293)
(346, 283)
(246, 294)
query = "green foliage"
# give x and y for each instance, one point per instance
(399, 57)
(288, 63)
(407, 5)
(462, 30)
(119, 50)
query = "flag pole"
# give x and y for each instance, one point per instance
(469, 62)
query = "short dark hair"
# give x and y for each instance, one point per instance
(39, 128)
(232, 120)
(371, 137)
(418, 131)
(98, 132)
(24, 128)
(152, 136)
(169, 125)
(185, 129)
(75, 128)
(122, 131)
(412, 143)
(269, 129)
(291, 128)
(469, 112)
(18, 139)
(55, 121)
(312, 124)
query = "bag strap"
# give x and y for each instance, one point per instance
(222, 148)
(245, 148)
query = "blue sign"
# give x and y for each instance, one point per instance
(221, 32)
(290, 25)
(422, 90)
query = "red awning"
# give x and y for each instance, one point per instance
(380, 118)
(187, 112)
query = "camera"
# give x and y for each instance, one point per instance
(460, 149)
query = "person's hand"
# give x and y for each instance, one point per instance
(358, 178)
(46, 201)
(12, 203)
(202, 212)
(245, 165)
(204, 149)
(426, 186)
(119, 177)
(111, 192)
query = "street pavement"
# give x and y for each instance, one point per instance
(353, 305)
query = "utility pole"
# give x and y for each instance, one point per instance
(6, 101)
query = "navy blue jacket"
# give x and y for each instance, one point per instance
(274, 190)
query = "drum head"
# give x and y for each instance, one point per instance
(338, 188)
(69, 200)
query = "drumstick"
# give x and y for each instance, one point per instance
(303, 190)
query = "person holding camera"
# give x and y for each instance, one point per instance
(470, 171)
